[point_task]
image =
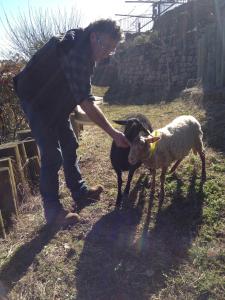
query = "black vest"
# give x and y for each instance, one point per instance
(42, 83)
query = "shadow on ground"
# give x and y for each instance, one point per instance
(120, 263)
(19, 263)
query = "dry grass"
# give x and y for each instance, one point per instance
(134, 253)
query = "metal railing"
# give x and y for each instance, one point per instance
(144, 22)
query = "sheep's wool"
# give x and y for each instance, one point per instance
(177, 139)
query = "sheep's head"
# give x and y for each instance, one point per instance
(133, 127)
(139, 149)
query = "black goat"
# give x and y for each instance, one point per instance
(133, 125)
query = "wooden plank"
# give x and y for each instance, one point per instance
(210, 79)
(33, 164)
(200, 57)
(11, 150)
(81, 117)
(22, 151)
(203, 58)
(24, 159)
(7, 163)
(218, 45)
(24, 134)
(98, 100)
(31, 148)
(223, 54)
(2, 227)
(7, 201)
(34, 169)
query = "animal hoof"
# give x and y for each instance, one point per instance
(203, 178)
(118, 204)
(125, 196)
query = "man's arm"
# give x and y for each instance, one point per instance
(97, 116)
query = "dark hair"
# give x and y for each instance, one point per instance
(107, 26)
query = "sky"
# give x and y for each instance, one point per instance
(90, 10)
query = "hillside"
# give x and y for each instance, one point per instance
(128, 254)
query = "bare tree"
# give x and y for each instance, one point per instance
(29, 31)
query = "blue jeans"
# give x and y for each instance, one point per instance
(57, 145)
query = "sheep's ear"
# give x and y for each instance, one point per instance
(152, 139)
(121, 122)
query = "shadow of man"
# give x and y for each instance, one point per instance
(101, 270)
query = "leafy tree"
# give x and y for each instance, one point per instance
(26, 34)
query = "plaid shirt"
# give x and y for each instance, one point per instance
(77, 64)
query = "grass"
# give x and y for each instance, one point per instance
(134, 253)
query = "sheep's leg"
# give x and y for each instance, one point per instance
(175, 166)
(119, 186)
(162, 187)
(153, 173)
(202, 156)
(130, 176)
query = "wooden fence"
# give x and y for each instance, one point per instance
(19, 168)
(211, 53)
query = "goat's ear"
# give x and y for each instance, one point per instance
(151, 139)
(121, 122)
(142, 133)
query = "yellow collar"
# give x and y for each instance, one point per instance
(152, 146)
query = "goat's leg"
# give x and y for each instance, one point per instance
(175, 166)
(130, 176)
(162, 187)
(202, 156)
(119, 188)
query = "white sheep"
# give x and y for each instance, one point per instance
(166, 145)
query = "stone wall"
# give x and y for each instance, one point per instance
(158, 66)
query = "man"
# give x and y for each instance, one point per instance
(55, 80)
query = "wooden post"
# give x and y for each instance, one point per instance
(2, 227)
(33, 158)
(7, 200)
(7, 163)
(11, 150)
(22, 151)
(34, 169)
(31, 148)
(24, 159)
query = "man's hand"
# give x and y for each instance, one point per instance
(97, 116)
(120, 139)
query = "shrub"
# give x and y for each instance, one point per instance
(11, 115)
